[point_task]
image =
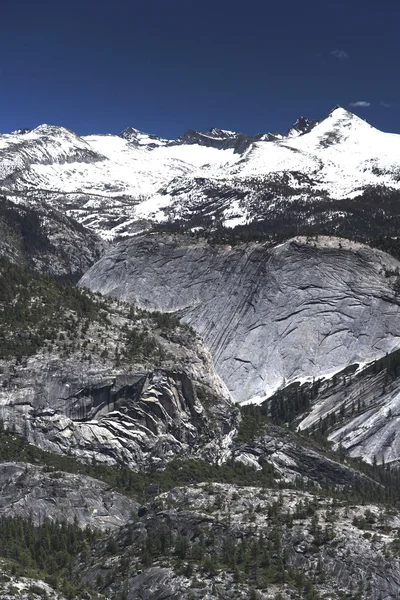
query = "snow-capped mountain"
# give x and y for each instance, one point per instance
(341, 154)
(115, 184)
(312, 175)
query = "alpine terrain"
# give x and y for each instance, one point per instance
(339, 174)
(200, 364)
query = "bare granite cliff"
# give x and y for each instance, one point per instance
(105, 382)
(34, 492)
(305, 308)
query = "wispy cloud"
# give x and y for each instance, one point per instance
(340, 54)
(386, 104)
(360, 104)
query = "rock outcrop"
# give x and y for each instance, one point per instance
(305, 308)
(132, 419)
(38, 493)
(109, 384)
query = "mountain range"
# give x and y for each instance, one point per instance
(200, 364)
(118, 185)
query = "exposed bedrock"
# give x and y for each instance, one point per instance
(31, 491)
(135, 419)
(305, 308)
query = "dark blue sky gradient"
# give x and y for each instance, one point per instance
(164, 66)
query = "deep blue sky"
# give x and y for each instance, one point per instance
(164, 66)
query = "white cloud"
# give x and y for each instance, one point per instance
(360, 103)
(340, 54)
(386, 104)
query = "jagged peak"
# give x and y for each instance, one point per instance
(301, 119)
(222, 133)
(216, 138)
(129, 131)
(301, 126)
(141, 138)
(214, 132)
(22, 131)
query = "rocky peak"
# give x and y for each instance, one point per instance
(21, 131)
(301, 126)
(129, 132)
(217, 138)
(222, 133)
(208, 138)
(140, 138)
(53, 130)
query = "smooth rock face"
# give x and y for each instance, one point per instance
(30, 491)
(306, 308)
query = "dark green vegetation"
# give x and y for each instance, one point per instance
(45, 552)
(140, 341)
(284, 406)
(23, 223)
(215, 233)
(36, 309)
(256, 559)
(45, 240)
(372, 218)
(39, 312)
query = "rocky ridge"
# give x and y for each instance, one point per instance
(116, 185)
(328, 547)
